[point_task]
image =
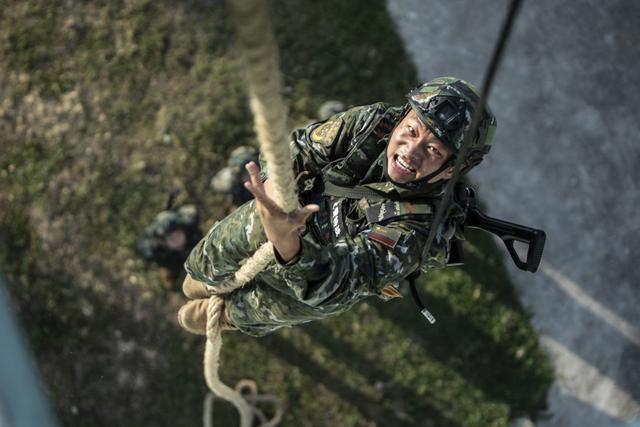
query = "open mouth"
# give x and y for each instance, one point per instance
(403, 165)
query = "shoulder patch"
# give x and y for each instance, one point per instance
(385, 236)
(326, 133)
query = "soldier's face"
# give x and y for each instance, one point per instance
(176, 240)
(414, 152)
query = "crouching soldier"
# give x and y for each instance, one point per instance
(168, 240)
(369, 182)
(230, 179)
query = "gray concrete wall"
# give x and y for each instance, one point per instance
(567, 160)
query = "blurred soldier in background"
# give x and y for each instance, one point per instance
(330, 108)
(168, 240)
(230, 179)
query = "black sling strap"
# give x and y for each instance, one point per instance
(498, 51)
(356, 192)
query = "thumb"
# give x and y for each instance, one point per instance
(306, 211)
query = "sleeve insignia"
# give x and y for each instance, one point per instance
(385, 236)
(390, 291)
(326, 133)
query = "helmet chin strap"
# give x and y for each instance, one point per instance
(447, 164)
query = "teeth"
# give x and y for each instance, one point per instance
(404, 165)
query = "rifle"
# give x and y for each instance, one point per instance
(508, 232)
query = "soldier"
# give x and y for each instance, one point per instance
(369, 180)
(330, 108)
(229, 180)
(168, 240)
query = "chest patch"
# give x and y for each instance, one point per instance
(385, 236)
(384, 211)
(326, 133)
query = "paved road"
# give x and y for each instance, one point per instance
(567, 160)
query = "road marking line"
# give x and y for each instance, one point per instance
(587, 384)
(570, 287)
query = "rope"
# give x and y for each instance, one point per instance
(249, 391)
(215, 311)
(247, 271)
(259, 53)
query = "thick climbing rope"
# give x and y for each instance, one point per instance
(259, 54)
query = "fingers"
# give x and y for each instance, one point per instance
(308, 210)
(301, 215)
(254, 174)
(256, 187)
(296, 218)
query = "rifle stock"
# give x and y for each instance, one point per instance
(508, 232)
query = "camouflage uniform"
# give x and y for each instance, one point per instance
(352, 248)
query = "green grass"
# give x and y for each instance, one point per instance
(105, 107)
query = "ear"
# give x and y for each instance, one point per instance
(448, 173)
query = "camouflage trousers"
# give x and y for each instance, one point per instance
(265, 303)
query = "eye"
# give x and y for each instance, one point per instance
(434, 151)
(412, 131)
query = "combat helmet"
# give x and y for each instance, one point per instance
(446, 106)
(242, 155)
(230, 178)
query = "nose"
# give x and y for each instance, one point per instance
(416, 146)
(413, 152)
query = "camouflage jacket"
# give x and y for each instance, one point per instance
(354, 247)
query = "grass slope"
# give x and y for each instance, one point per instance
(104, 108)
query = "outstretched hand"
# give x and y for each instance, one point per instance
(282, 229)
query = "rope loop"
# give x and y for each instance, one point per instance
(249, 390)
